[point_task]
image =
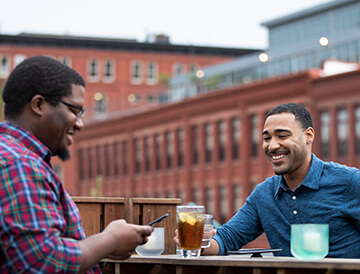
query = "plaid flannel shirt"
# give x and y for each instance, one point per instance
(40, 224)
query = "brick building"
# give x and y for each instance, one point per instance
(119, 73)
(208, 149)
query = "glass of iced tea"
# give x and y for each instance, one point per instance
(190, 225)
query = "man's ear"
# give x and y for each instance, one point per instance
(37, 104)
(309, 135)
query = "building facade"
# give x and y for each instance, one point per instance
(120, 74)
(207, 149)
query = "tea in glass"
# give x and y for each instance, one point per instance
(190, 225)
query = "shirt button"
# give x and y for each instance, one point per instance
(295, 212)
(294, 197)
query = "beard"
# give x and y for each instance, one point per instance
(63, 154)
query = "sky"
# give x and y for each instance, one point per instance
(225, 23)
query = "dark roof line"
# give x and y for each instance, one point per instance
(67, 41)
(306, 12)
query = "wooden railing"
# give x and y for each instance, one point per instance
(97, 212)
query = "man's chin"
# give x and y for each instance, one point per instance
(63, 154)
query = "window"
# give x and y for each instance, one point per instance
(18, 58)
(5, 64)
(147, 153)
(210, 200)
(197, 196)
(223, 203)
(93, 70)
(65, 60)
(81, 164)
(59, 172)
(193, 68)
(235, 123)
(209, 142)
(100, 104)
(178, 69)
(90, 163)
(136, 72)
(195, 143)
(254, 135)
(137, 155)
(158, 143)
(325, 134)
(117, 158)
(357, 129)
(342, 131)
(181, 141)
(169, 149)
(98, 160)
(125, 157)
(222, 140)
(109, 71)
(237, 197)
(152, 73)
(107, 160)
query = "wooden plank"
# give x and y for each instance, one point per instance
(175, 201)
(113, 211)
(91, 217)
(85, 199)
(150, 212)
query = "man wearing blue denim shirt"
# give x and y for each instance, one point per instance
(304, 190)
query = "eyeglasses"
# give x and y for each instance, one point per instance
(79, 112)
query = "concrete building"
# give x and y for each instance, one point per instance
(297, 42)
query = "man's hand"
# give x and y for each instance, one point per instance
(126, 237)
(117, 241)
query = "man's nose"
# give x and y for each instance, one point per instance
(79, 123)
(273, 144)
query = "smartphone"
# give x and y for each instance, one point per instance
(158, 219)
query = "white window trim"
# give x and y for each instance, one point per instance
(8, 67)
(110, 79)
(18, 58)
(152, 81)
(68, 58)
(136, 81)
(89, 77)
(175, 65)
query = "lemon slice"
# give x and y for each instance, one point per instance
(186, 218)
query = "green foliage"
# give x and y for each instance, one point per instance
(164, 79)
(97, 190)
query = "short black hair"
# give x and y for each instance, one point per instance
(38, 75)
(300, 112)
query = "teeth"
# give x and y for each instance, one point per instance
(277, 157)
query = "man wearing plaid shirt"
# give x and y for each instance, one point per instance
(40, 226)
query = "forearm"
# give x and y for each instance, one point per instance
(213, 249)
(93, 249)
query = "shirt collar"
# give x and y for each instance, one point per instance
(27, 139)
(312, 179)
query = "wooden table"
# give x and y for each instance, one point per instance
(167, 264)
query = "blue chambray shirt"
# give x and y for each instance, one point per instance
(330, 194)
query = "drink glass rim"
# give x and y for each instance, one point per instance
(309, 224)
(194, 207)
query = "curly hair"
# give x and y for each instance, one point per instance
(300, 112)
(38, 75)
